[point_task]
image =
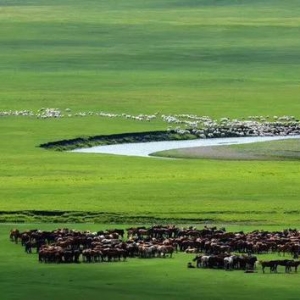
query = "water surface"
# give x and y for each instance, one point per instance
(145, 149)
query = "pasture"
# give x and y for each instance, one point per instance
(153, 278)
(221, 58)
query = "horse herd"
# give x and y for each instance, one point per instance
(212, 247)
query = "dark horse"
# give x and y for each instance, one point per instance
(14, 235)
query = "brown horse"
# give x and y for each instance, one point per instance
(14, 235)
(164, 250)
(272, 264)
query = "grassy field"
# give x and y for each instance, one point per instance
(22, 277)
(226, 58)
(223, 58)
(207, 57)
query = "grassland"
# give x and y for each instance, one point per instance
(22, 277)
(217, 58)
(227, 59)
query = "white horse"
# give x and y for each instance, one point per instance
(228, 262)
(204, 261)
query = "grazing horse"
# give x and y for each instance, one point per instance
(165, 249)
(204, 261)
(14, 235)
(197, 259)
(230, 262)
(247, 262)
(283, 249)
(147, 251)
(120, 232)
(292, 264)
(285, 263)
(272, 264)
(29, 245)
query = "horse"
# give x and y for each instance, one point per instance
(230, 262)
(290, 264)
(165, 249)
(14, 235)
(197, 259)
(272, 264)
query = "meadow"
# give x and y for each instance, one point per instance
(224, 58)
(23, 277)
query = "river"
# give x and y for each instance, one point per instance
(145, 149)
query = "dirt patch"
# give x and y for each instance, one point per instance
(225, 153)
(213, 152)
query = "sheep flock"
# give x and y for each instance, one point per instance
(184, 124)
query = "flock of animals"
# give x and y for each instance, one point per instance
(199, 126)
(211, 247)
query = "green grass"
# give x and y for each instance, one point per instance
(227, 59)
(152, 278)
(222, 191)
(222, 58)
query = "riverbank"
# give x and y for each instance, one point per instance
(147, 148)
